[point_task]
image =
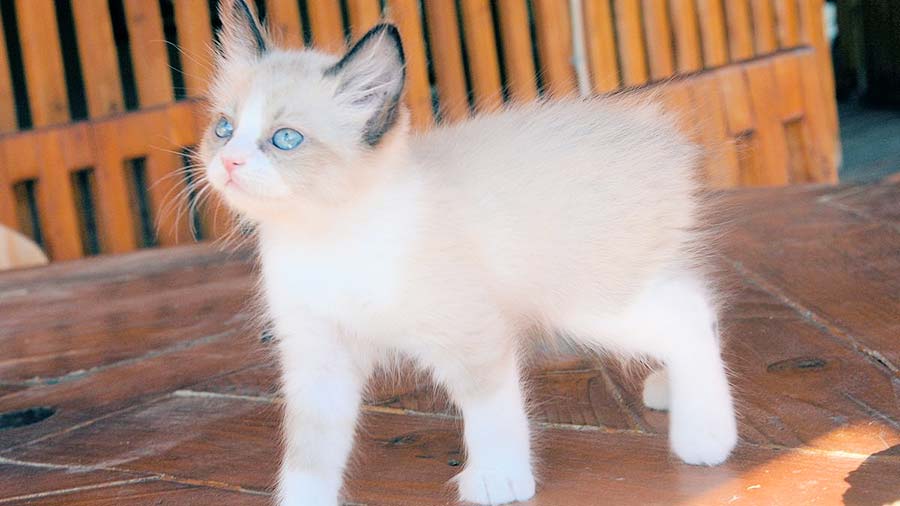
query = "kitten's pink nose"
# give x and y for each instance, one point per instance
(231, 164)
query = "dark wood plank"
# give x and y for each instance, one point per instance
(23, 481)
(135, 309)
(407, 460)
(837, 265)
(191, 437)
(106, 391)
(876, 202)
(152, 493)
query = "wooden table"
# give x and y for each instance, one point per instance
(163, 394)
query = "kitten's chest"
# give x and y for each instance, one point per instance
(355, 280)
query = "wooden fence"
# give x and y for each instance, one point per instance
(97, 107)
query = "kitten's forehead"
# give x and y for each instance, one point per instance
(279, 74)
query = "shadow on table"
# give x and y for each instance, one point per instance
(865, 482)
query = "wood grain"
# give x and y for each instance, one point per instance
(518, 59)
(99, 61)
(739, 29)
(364, 14)
(765, 37)
(630, 41)
(149, 56)
(42, 57)
(8, 120)
(284, 22)
(687, 35)
(481, 53)
(712, 32)
(406, 14)
(325, 22)
(195, 42)
(554, 41)
(658, 32)
(447, 60)
(601, 45)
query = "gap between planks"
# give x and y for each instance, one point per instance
(543, 425)
(839, 335)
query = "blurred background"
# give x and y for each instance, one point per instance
(101, 100)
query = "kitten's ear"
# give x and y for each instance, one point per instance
(371, 76)
(242, 38)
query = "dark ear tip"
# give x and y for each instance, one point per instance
(391, 31)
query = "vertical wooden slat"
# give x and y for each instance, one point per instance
(816, 107)
(446, 57)
(405, 13)
(149, 56)
(813, 34)
(736, 101)
(114, 218)
(771, 149)
(721, 168)
(99, 61)
(164, 185)
(364, 14)
(195, 40)
(712, 31)
(601, 45)
(765, 39)
(677, 99)
(56, 205)
(518, 60)
(788, 23)
(787, 78)
(740, 30)
(554, 37)
(8, 122)
(687, 35)
(283, 18)
(22, 163)
(481, 51)
(631, 42)
(326, 24)
(42, 57)
(659, 39)
(7, 196)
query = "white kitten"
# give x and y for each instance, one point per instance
(575, 216)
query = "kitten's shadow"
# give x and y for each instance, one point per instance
(874, 483)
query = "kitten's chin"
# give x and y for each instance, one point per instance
(257, 208)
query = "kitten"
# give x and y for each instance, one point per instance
(574, 216)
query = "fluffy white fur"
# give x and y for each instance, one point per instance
(574, 216)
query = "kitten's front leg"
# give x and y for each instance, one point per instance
(498, 442)
(322, 383)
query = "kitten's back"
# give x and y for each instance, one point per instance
(598, 194)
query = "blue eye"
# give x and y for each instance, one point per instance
(287, 139)
(224, 129)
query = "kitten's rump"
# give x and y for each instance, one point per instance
(572, 201)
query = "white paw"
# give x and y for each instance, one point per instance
(703, 439)
(491, 486)
(656, 390)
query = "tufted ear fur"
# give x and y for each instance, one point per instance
(241, 38)
(371, 77)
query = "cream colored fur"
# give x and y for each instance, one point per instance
(574, 216)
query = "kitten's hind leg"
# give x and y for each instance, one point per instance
(673, 321)
(656, 390)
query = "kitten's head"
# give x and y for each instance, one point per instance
(299, 127)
